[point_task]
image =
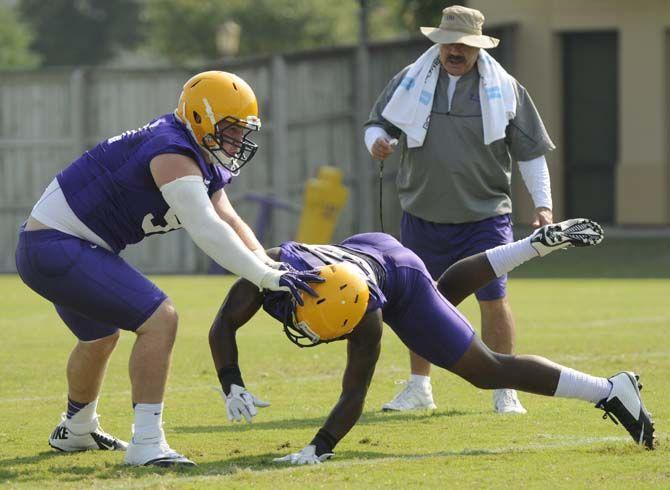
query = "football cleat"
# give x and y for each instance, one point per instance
(415, 396)
(70, 437)
(507, 401)
(577, 232)
(156, 453)
(624, 405)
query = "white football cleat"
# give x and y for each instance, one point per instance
(156, 453)
(577, 232)
(415, 396)
(507, 401)
(70, 437)
(624, 403)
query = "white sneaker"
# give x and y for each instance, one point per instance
(625, 405)
(506, 401)
(69, 437)
(156, 453)
(577, 232)
(415, 396)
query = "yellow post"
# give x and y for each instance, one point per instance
(325, 196)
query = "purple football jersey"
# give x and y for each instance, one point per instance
(411, 304)
(111, 190)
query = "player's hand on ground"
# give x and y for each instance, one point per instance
(306, 455)
(296, 281)
(542, 216)
(383, 148)
(240, 403)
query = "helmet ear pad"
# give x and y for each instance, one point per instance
(341, 304)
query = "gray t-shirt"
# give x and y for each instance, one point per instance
(454, 177)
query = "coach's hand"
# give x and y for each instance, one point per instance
(383, 148)
(307, 455)
(240, 403)
(542, 216)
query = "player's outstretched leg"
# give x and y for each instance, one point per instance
(149, 367)
(578, 232)
(618, 396)
(79, 428)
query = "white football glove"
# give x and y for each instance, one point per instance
(240, 403)
(307, 455)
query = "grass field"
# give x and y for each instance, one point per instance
(596, 324)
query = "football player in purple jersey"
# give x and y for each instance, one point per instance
(370, 277)
(166, 175)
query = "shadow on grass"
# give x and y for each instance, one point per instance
(9, 474)
(35, 458)
(228, 466)
(368, 418)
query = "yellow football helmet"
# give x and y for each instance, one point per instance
(340, 306)
(220, 110)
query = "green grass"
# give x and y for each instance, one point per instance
(599, 325)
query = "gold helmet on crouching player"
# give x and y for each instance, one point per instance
(220, 110)
(340, 306)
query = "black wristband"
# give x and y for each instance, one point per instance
(324, 442)
(230, 375)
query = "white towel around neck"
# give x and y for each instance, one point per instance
(410, 105)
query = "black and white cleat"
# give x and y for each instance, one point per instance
(578, 232)
(624, 405)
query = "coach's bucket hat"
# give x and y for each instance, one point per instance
(460, 25)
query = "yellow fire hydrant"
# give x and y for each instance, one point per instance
(325, 196)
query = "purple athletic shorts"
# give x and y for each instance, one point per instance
(416, 311)
(94, 291)
(441, 245)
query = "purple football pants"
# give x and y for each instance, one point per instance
(94, 291)
(416, 311)
(441, 245)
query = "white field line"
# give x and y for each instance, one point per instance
(610, 322)
(568, 442)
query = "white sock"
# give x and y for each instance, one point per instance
(148, 423)
(86, 414)
(575, 384)
(417, 379)
(505, 258)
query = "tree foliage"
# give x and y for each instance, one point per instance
(15, 38)
(185, 30)
(82, 32)
(417, 13)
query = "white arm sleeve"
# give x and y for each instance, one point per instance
(371, 135)
(536, 177)
(187, 197)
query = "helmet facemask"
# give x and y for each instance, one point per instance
(245, 149)
(298, 332)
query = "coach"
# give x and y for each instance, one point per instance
(461, 119)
